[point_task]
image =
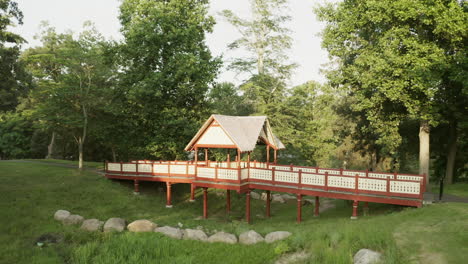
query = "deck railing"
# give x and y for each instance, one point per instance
(287, 176)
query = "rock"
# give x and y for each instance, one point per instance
(195, 234)
(114, 224)
(275, 236)
(288, 197)
(366, 256)
(60, 215)
(293, 257)
(250, 237)
(48, 238)
(73, 220)
(223, 237)
(170, 231)
(141, 226)
(255, 195)
(92, 225)
(264, 196)
(308, 201)
(180, 224)
(278, 198)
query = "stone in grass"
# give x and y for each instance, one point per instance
(293, 257)
(278, 198)
(60, 215)
(223, 237)
(92, 225)
(195, 234)
(114, 224)
(264, 196)
(170, 231)
(73, 220)
(288, 197)
(366, 256)
(255, 195)
(250, 237)
(275, 236)
(141, 226)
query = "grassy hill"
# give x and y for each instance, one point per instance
(30, 193)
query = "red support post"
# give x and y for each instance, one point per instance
(136, 187)
(192, 193)
(356, 183)
(273, 175)
(317, 206)
(268, 203)
(388, 186)
(205, 202)
(299, 208)
(268, 155)
(247, 206)
(275, 158)
(216, 172)
(299, 175)
(228, 201)
(355, 210)
(228, 160)
(168, 195)
(206, 156)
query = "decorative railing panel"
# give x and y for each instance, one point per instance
(206, 172)
(287, 176)
(372, 185)
(261, 174)
(160, 168)
(144, 167)
(129, 167)
(405, 187)
(228, 174)
(113, 166)
(178, 169)
(341, 182)
(313, 179)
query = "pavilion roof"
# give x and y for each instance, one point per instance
(244, 131)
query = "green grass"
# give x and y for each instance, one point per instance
(87, 164)
(458, 189)
(30, 193)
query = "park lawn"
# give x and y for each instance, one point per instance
(458, 189)
(87, 164)
(30, 193)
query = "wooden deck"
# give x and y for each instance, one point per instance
(357, 186)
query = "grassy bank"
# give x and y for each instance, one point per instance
(30, 193)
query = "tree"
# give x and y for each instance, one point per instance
(264, 37)
(14, 81)
(389, 56)
(72, 81)
(167, 70)
(225, 99)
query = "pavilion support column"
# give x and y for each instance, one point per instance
(268, 154)
(355, 210)
(206, 156)
(366, 208)
(268, 203)
(247, 207)
(168, 195)
(238, 158)
(228, 201)
(205, 202)
(275, 157)
(317, 206)
(299, 208)
(192, 193)
(136, 187)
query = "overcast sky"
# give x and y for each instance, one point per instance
(70, 14)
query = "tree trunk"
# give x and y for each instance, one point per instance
(50, 148)
(424, 130)
(373, 160)
(114, 155)
(80, 151)
(451, 153)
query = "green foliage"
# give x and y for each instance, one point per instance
(167, 70)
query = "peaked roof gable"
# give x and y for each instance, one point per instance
(244, 131)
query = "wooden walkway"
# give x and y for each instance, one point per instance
(357, 186)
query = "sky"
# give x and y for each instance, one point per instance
(71, 14)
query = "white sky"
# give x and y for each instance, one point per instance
(70, 14)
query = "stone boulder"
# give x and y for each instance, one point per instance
(255, 195)
(296, 257)
(366, 256)
(114, 224)
(92, 225)
(195, 234)
(141, 226)
(275, 236)
(60, 215)
(288, 197)
(278, 198)
(73, 220)
(264, 196)
(170, 232)
(223, 237)
(250, 237)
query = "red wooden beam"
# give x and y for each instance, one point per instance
(247, 206)
(205, 203)
(168, 195)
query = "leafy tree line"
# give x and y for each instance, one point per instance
(397, 87)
